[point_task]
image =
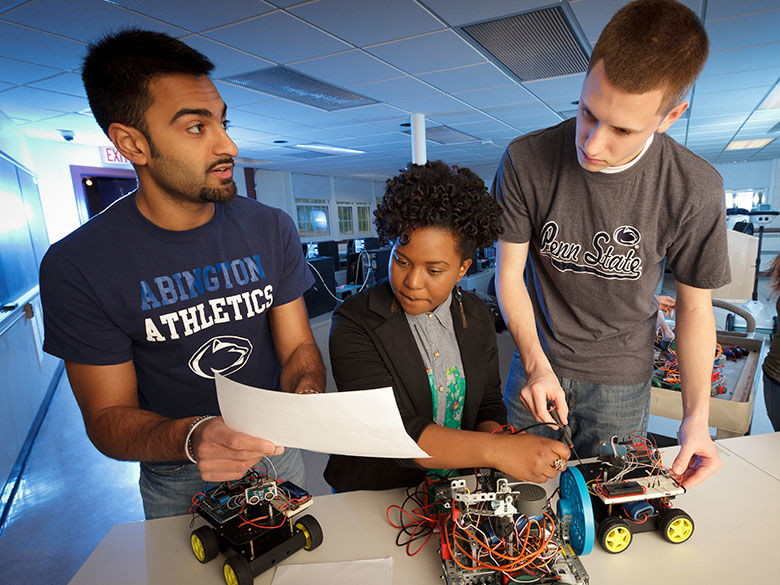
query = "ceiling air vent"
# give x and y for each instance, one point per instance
(532, 45)
(446, 135)
(288, 84)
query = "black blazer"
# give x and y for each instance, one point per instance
(372, 347)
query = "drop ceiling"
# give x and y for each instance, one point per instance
(409, 56)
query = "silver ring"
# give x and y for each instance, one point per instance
(559, 464)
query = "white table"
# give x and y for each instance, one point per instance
(736, 513)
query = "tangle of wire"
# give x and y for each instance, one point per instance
(530, 552)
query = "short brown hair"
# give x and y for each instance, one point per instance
(653, 44)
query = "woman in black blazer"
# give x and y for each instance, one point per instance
(434, 344)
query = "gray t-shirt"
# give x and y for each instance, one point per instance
(597, 241)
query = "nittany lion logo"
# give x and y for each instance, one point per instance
(627, 235)
(220, 355)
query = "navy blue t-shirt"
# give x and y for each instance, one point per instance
(182, 305)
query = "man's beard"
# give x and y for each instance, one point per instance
(222, 194)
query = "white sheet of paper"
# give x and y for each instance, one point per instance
(374, 571)
(364, 423)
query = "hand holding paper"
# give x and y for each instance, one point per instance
(365, 423)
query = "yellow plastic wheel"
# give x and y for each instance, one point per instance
(197, 548)
(311, 530)
(237, 571)
(230, 575)
(614, 535)
(679, 530)
(675, 525)
(204, 543)
(306, 535)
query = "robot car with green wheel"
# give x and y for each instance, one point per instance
(255, 522)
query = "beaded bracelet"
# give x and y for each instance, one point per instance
(188, 441)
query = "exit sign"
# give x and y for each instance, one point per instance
(111, 156)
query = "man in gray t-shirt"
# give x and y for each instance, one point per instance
(591, 208)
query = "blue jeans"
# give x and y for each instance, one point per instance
(596, 411)
(772, 399)
(167, 488)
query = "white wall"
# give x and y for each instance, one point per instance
(52, 161)
(751, 175)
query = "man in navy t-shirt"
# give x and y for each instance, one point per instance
(175, 283)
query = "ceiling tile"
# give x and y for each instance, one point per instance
(285, 110)
(39, 98)
(746, 98)
(741, 31)
(427, 53)
(468, 78)
(381, 20)
(460, 12)
(462, 116)
(593, 15)
(18, 72)
(496, 96)
(726, 8)
(227, 61)
(236, 96)
(749, 78)
(568, 87)
(348, 68)
(91, 20)
(39, 47)
(374, 112)
(735, 60)
(69, 83)
(18, 109)
(430, 105)
(395, 89)
(278, 37)
(199, 14)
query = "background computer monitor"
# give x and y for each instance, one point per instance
(358, 264)
(329, 248)
(372, 243)
(359, 244)
(312, 249)
(318, 300)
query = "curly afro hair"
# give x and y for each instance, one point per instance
(437, 195)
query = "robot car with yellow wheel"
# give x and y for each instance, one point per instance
(626, 491)
(255, 522)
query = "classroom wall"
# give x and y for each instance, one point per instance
(25, 371)
(280, 188)
(756, 174)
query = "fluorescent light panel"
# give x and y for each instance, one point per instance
(747, 144)
(772, 101)
(329, 149)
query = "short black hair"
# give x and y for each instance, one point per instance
(437, 195)
(118, 68)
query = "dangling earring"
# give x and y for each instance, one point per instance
(459, 298)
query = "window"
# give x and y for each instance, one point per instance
(364, 218)
(347, 211)
(346, 225)
(745, 198)
(312, 216)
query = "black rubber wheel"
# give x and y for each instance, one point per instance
(311, 530)
(205, 544)
(237, 571)
(614, 535)
(675, 525)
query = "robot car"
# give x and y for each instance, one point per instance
(255, 522)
